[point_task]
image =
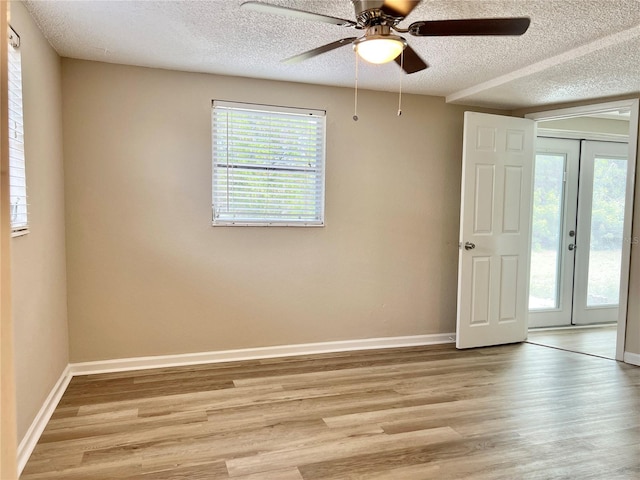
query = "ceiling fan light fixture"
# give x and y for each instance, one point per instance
(379, 48)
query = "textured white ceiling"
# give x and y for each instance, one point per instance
(574, 49)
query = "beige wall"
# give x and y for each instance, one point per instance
(8, 436)
(148, 275)
(632, 340)
(38, 258)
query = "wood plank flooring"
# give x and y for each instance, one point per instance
(512, 412)
(600, 340)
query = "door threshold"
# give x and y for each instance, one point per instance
(572, 327)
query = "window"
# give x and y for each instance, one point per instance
(17, 178)
(268, 165)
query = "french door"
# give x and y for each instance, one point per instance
(577, 232)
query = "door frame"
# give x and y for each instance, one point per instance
(632, 105)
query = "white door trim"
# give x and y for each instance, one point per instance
(578, 135)
(631, 104)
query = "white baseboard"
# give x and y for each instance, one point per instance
(161, 361)
(632, 358)
(30, 439)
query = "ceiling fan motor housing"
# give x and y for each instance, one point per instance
(370, 12)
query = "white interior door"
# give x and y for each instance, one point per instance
(599, 239)
(493, 263)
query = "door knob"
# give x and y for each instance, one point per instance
(572, 247)
(469, 246)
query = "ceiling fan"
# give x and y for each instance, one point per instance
(380, 18)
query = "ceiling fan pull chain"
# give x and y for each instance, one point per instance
(401, 74)
(355, 107)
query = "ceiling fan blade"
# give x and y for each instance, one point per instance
(474, 26)
(399, 8)
(317, 51)
(294, 13)
(411, 63)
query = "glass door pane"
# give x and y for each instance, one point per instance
(601, 205)
(607, 220)
(546, 249)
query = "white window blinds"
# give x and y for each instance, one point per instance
(17, 177)
(268, 165)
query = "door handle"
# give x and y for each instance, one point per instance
(572, 247)
(469, 246)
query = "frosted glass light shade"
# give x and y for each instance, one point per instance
(379, 48)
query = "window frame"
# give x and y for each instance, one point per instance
(317, 192)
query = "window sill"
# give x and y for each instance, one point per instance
(19, 233)
(265, 224)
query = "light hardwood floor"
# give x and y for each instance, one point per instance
(600, 340)
(512, 412)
